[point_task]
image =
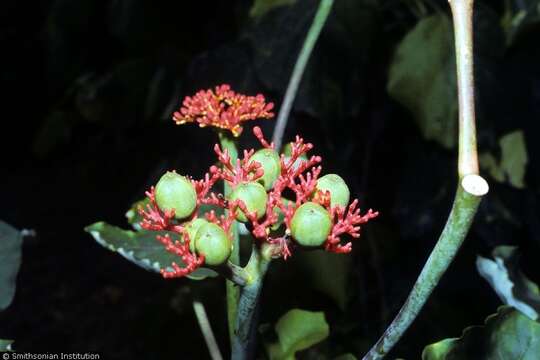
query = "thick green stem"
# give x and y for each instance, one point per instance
(292, 88)
(243, 342)
(468, 196)
(233, 293)
(469, 193)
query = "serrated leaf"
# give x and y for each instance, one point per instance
(297, 330)
(508, 334)
(513, 163)
(261, 7)
(510, 284)
(10, 262)
(132, 215)
(422, 78)
(141, 248)
(5, 345)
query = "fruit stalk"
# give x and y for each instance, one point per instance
(243, 343)
(233, 293)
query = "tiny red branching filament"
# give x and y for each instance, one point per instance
(181, 249)
(154, 218)
(346, 222)
(223, 108)
(243, 171)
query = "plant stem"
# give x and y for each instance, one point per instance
(462, 11)
(468, 197)
(469, 193)
(233, 293)
(243, 343)
(301, 62)
(206, 330)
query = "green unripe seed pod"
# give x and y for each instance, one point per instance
(269, 160)
(254, 196)
(311, 225)
(176, 192)
(339, 191)
(212, 242)
(192, 228)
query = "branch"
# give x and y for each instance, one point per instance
(292, 88)
(469, 193)
(233, 293)
(206, 330)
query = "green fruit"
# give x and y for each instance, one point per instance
(254, 196)
(174, 191)
(192, 228)
(269, 160)
(311, 224)
(339, 191)
(212, 242)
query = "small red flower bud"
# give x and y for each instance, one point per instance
(223, 108)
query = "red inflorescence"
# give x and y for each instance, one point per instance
(223, 108)
(297, 175)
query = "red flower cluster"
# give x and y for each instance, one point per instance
(223, 108)
(298, 175)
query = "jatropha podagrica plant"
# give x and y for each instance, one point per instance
(317, 216)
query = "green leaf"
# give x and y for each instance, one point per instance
(297, 330)
(513, 163)
(10, 262)
(132, 215)
(261, 7)
(327, 273)
(508, 334)
(141, 248)
(422, 78)
(510, 284)
(5, 345)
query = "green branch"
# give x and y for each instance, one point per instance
(243, 342)
(206, 330)
(469, 193)
(292, 88)
(463, 33)
(233, 293)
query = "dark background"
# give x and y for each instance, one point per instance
(89, 88)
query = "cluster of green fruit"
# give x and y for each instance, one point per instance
(310, 225)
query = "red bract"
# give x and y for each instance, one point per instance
(223, 108)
